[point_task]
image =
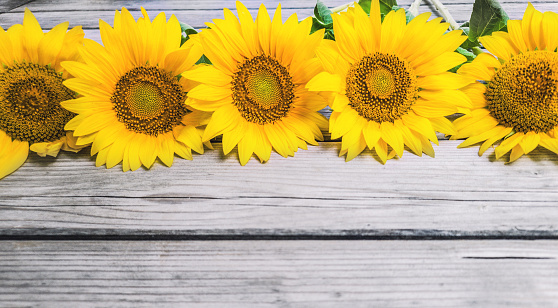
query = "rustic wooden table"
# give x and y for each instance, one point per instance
(308, 231)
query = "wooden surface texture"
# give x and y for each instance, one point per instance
(457, 230)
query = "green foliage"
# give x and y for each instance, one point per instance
(186, 30)
(487, 17)
(203, 59)
(322, 20)
(323, 13)
(385, 5)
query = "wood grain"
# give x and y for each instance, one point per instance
(280, 274)
(315, 192)
(196, 13)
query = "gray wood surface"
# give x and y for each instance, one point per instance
(455, 231)
(314, 192)
(280, 274)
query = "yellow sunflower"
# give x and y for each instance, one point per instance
(256, 85)
(390, 82)
(517, 100)
(132, 106)
(31, 89)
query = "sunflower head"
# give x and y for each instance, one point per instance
(517, 96)
(389, 81)
(132, 106)
(256, 85)
(31, 90)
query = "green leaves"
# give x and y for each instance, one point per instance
(187, 30)
(487, 17)
(322, 20)
(385, 5)
(323, 13)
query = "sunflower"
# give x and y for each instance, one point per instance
(31, 89)
(256, 85)
(516, 101)
(390, 82)
(132, 106)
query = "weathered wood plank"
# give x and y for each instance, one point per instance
(280, 274)
(51, 13)
(315, 192)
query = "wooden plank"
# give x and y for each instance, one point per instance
(51, 13)
(316, 192)
(280, 274)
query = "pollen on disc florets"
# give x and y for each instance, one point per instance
(30, 97)
(381, 87)
(263, 90)
(149, 100)
(523, 93)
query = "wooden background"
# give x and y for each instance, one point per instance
(309, 231)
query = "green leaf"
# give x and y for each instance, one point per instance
(203, 59)
(468, 44)
(488, 16)
(365, 5)
(329, 35)
(385, 5)
(187, 30)
(323, 13)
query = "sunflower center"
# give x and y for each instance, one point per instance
(149, 100)
(30, 96)
(263, 90)
(381, 87)
(523, 93)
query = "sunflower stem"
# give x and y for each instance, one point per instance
(477, 51)
(340, 8)
(414, 7)
(445, 14)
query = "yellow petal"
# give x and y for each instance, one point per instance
(221, 121)
(392, 135)
(95, 122)
(32, 35)
(190, 137)
(393, 28)
(232, 137)
(508, 144)
(529, 142)
(324, 81)
(517, 152)
(504, 131)
(208, 74)
(443, 81)
(420, 125)
(263, 24)
(371, 133)
(13, 156)
(440, 64)
(356, 148)
(51, 44)
(516, 34)
(550, 30)
(209, 93)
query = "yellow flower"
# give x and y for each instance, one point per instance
(132, 106)
(256, 85)
(517, 100)
(390, 81)
(31, 89)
